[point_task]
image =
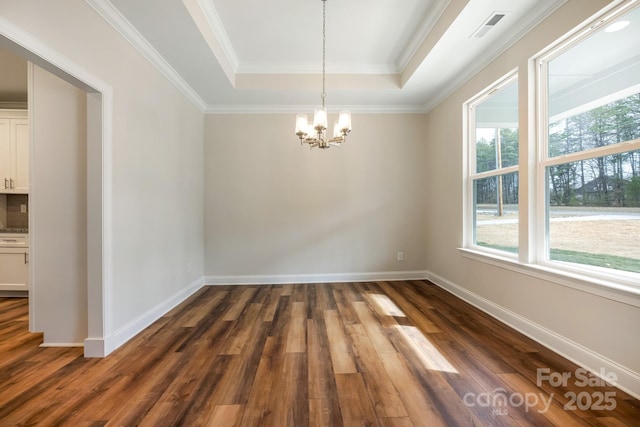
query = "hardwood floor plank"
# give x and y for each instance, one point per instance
(339, 347)
(289, 392)
(287, 290)
(198, 408)
(226, 415)
(419, 406)
(396, 422)
(321, 380)
(257, 409)
(323, 413)
(357, 409)
(279, 326)
(241, 300)
(536, 405)
(371, 353)
(325, 299)
(22, 387)
(382, 304)
(343, 295)
(419, 318)
(296, 335)
(373, 328)
(271, 303)
(236, 382)
(201, 308)
(241, 330)
(382, 393)
(320, 370)
(420, 346)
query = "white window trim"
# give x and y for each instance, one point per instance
(470, 174)
(617, 280)
(614, 290)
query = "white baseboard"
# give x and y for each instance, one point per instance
(315, 278)
(62, 344)
(101, 347)
(628, 380)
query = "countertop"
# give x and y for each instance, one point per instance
(14, 230)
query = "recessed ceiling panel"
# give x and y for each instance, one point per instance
(285, 36)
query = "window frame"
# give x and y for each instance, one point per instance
(471, 176)
(531, 259)
(540, 252)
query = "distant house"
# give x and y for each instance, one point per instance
(608, 190)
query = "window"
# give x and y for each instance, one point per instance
(591, 147)
(493, 166)
(581, 222)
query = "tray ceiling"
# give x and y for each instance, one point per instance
(382, 55)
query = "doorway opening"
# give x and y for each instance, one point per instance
(96, 138)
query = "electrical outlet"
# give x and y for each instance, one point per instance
(23, 208)
(399, 256)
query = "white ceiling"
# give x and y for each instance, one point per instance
(381, 55)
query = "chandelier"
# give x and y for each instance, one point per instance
(315, 134)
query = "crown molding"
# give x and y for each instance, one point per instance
(217, 27)
(307, 68)
(294, 109)
(421, 35)
(113, 16)
(206, 18)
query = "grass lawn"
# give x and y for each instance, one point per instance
(586, 258)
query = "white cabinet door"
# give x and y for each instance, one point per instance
(20, 158)
(5, 155)
(14, 152)
(14, 270)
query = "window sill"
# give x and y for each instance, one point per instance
(614, 290)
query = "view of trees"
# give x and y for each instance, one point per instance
(611, 181)
(491, 157)
(604, 181)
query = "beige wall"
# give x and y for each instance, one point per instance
(592, 329)
(274, 208)
(58, 244)
(155, 218)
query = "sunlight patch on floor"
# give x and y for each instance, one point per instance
(426, 352)
(385, 306)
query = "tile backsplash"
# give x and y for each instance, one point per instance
(15, 217)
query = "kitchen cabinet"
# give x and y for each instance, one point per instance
(14, 262)
(14, 151)
(14, 270)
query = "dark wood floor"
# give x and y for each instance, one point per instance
(386, 353)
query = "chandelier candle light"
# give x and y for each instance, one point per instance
(315, 134)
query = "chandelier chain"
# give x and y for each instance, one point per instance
(324, 49)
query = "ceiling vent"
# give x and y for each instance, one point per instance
(488, 24)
